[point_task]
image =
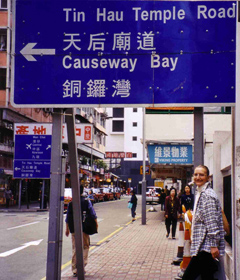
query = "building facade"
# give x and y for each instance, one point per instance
(124, 128)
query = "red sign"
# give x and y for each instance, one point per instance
(118, 155)
(128, 155)
(107, 176)
(87, 133)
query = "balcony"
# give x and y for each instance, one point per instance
(7, 148)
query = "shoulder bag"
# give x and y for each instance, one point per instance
(89, 223)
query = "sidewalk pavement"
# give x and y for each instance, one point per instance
(137, 252)
(34, 206)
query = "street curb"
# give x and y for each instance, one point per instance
(22, 210)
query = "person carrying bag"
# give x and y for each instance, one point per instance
(89, 227)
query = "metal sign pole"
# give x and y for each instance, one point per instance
(61, 215)
(144, 174)
(198, 136)
(53, 272)
(236, 164)
(77, 218)
(20, 194)
(43, 190)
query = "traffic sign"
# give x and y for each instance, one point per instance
(147, 170)
(32, 156)
(123, 53)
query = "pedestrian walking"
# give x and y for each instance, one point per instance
(8, 196)
(86, 206)
(172, 212)
(134, 205)
(207, 246)
(187, 198)
(162, 200)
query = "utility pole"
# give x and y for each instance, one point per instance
(144, 173)
(53, 267)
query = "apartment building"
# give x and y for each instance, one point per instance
(124, 128)
(8, 114)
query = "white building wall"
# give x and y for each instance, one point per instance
(216, 122)
(180, 126)
(114, 141)
(169, 127)
(129, 145)
(226, 154)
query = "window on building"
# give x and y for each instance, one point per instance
(118, 112)
(227, 203)
(117, 126)
(2, 78)
(134, 123)
(134, 138)
(134, 155)
(3, 39)
(227, 110)
(135, 110)
(3, 4)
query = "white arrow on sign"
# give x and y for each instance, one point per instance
(28, 51)
(13, 251)
(16, 168)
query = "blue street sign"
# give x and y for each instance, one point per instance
(123, 53)
(166, 154)
(32, 157)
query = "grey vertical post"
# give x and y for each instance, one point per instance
(61, 214)
(53, 272)
(91, 181)
(77, 218)
(198, 136)
(233, 193)
(236, 164)
(20, 194)
(43, 191)
(144, 173)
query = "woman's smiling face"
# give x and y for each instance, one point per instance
(200, 176)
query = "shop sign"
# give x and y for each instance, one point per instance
(170, 154)
(118, 155)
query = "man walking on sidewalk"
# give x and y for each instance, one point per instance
(86, 206)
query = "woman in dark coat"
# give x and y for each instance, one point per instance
(172, 212)
(134, 205)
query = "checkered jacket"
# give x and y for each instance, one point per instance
(208, 228)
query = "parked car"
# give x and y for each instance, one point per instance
(116, 192)
(108, 195)
(67, 197)
(153, 194)
(99, 196)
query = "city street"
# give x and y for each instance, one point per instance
(27, 261)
